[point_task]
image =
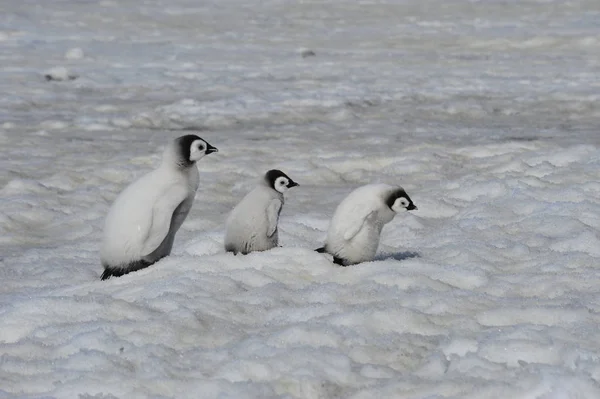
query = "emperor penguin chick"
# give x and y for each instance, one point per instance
(142, 221)
(355, 229)
(252, 224)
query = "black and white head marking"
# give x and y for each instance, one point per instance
(279, 181)
(399, 201)
(191, 148)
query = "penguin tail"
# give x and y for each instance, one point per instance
(110, 271)
(320, 250)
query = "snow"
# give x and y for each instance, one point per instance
(486, 112)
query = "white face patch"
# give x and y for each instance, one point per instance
(197, 150)
(400, 205)
(281, 184)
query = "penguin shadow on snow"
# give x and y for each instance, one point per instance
(399, 256)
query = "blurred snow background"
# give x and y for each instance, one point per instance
(487, 112)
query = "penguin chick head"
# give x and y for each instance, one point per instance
(279, 181)
(191, 148)
(399, 201)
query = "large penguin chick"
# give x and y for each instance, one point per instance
(141, 223)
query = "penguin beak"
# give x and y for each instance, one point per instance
(412, 207)
(210, 149)
(292, 184)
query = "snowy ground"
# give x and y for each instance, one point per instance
(487, 112)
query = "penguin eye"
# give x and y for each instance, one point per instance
(403, 202)
(281, 182)
(200, 147)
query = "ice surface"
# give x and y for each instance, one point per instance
(486, 112)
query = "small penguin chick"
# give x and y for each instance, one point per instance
(252, 224)
(141, 223)
(355, 229)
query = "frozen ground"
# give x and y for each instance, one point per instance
(487, 112)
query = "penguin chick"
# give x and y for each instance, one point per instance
(142, 221)
(355, 229)
(252, 224)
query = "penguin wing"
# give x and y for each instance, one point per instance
(361, 215)
(273, 211)
(162, 213)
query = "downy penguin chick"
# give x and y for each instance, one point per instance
(355, 229)
(252, 224)
(142, 221)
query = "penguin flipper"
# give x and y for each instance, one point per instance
(273, 211)
(357, 225)
(162, 215)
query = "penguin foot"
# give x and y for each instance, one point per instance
(339, 261)
(336, 260)
(110, 271)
